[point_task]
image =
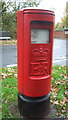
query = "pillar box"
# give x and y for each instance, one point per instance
(35, 45)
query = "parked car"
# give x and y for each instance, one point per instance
(5, 35)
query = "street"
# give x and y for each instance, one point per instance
(60, 52)
(8, 54)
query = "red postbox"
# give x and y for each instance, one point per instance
(35, 45)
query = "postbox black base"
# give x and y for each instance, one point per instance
(33, 107)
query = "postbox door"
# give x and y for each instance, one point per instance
(40, 49)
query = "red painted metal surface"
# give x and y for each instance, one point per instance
(34, 60)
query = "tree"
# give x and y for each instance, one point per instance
(0, 16)
(9, 10)
(8, 21)
(59, 26)
(64, 20)
(28, 3)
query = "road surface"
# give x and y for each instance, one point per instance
(8, 54)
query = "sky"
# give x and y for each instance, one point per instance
(58, 6)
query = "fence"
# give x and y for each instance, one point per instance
(61, 34)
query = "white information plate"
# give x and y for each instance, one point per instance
(39, 36)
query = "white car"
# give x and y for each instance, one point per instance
(5, 35)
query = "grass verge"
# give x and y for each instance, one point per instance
(58, 90)
(8, 42)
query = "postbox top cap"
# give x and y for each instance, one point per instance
(36, 9)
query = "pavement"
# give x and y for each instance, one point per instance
(8, 54)
(60, 52)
